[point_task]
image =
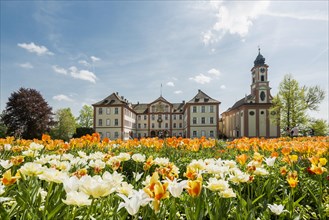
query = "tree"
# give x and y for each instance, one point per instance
(27, 114)
(293, 101)
(320, 127)
(64, 126)
(86, 117)
(82, 131)
(3, 128)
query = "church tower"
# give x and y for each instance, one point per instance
(260, 88)
(250, 116)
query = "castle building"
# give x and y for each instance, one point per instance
(115, 117)
(251, 115)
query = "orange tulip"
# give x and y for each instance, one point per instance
(292, 182)
(194, 187)
(283, 171)
(241, 159)
(8, 179)
(17, 160)
(190, 173)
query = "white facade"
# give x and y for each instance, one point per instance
(115, 117)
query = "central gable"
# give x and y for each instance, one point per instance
(160, 105)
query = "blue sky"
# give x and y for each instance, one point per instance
(79, 52)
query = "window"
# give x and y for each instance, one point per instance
(174, 117)
(203, 120)
(116, 122)
(145, 117)
(159, 125)
(194, 134)
(108, 111)
(152, 125)
(116, 134)
(262, 95)
(203, 133)
(139, 125)
(211, 109)
(262, 112)
(194, 120)
(144, 125)
(194, 109)
(174, 125)
(153, 117)
(180, 117)
(262, 78)
(101, 134)
(203, 109)
(211, 133)
(166, 117)
(108, 122)
(100, 122)
(100, 111)
(251, 113)
(116, 111)
(180, 125)
(108, 134)
(166, 126)
(139, 117)
(211, 120)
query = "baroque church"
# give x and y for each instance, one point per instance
(115, 117)
(251, 115)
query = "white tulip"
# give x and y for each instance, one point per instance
(276, 209)
(77, 198)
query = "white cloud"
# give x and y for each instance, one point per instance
(208, 37)
(82, 74)
(233, 18)
(62, 97)
(170, 84)
(178, 92)
(201, 78)
(214, 72)
(59, 70)
(83, 62)
(33, 48)
(94, 59)
(26, 65)
(239, 18)
(223, 87)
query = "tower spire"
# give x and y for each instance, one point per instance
(161, 90)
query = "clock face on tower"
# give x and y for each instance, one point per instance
(262, 70)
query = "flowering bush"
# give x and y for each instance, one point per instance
(174, 178)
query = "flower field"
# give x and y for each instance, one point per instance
(174, 178)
